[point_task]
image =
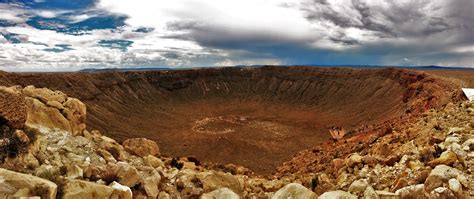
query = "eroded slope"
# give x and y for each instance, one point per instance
(258, 118)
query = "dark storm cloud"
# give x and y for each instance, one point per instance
(425, 29)
(414, 18)
(230, 38)
(366, 19)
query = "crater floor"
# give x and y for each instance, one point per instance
(255, 117)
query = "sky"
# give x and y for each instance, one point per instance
(68, 35)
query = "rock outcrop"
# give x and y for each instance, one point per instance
(42, 108)
(53, 109)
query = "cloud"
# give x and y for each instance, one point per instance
(47, 13)
(12, 13)
(69, 35)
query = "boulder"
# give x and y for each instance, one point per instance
(455, 186)
(74, 171)
(358, 187)
(75, 113)
(440, 176)
(126, 174)
(164, 195)
(106, 155)
(30, 161)
(220, 193)
(215, 180)
(337, 195)
(115, 149)
(415, 165)
(324, 183)
(456, 130)
(451, 139)
(468, 145)
(407, 148)
(40, 115)
(338, 163)
(149, 180)
(122, 192)
(24, 185)
(353, 160)
(442, 192)
(293, 190)
(446, 158)
(85, 190)
(153, 161)
(186, 178)
(413, 191)
(370, 193)
(387, 195)
(141, 147)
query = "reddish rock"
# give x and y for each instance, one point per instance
(13, 109)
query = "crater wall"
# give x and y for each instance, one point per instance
(256, 117)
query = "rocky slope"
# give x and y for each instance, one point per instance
(255, 110)
(433, 158)
(47, 151)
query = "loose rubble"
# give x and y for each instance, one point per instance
(57, 157)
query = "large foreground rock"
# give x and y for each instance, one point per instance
(41, 107)
(54, 109)
(24, 185)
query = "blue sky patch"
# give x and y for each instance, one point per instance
(59, 48)
(12, 37)
(56, 4)
(5, 23)
(144, 30)
(61, 24)
(116, 44)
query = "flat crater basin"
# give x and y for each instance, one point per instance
(255, 117)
